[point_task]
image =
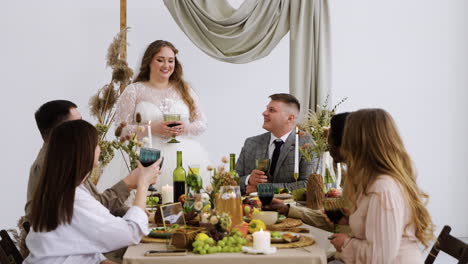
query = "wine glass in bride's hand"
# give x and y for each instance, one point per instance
(174, 118)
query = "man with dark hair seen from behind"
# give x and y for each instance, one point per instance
(47, 117)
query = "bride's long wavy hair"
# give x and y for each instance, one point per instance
(372, 146)
(176, 77)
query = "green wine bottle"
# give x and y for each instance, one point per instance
(179, 176)
(232, 167)
(232, 164)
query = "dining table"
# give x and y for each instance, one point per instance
(314, 254)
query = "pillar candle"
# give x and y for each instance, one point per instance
(167, 194)
(261, 240)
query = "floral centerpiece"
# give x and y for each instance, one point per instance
(316, 125)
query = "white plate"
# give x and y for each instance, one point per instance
(251, 250)
(253, 194)
(283, 196)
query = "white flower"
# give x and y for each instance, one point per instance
(204, 218)
(224, 159)
(214, 220)
(198, 205)
(209, 188)
(145, 140)
(205, 198)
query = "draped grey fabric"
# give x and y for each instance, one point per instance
(250, 33)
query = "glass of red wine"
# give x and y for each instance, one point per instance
(265, 193)
(149, 156)
(174, 118)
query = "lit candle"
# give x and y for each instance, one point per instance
(150, 138)
(167, 194)
(296, 154)
(261, 240)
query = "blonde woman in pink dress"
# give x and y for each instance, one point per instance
(389, 218)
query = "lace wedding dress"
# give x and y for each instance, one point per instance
(152, 104)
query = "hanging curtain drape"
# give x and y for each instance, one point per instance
(250, 33)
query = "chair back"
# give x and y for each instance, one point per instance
(9, 254)
(450, 245)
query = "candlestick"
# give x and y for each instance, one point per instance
(261, 240)
(150, 138)
(296, 154)
(167, 194)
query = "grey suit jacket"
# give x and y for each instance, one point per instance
(257, 148)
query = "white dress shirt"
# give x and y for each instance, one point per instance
(92, 231)
(271, 148)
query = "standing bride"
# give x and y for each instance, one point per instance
(160, 89)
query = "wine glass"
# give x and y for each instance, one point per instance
(149, 156)
(172, 117)
(265, 193)
(262, 165)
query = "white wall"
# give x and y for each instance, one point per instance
(405, 56)
(411, 58)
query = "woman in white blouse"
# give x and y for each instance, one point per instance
(68, 224)
(389, 218)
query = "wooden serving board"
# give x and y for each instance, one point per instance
(286, 225)
(304, 241)
(147, 239)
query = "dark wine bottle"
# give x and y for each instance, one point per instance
(179, 176)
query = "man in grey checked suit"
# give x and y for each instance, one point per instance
(280, 119)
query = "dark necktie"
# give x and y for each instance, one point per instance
(276, 153)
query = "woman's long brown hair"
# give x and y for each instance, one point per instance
(176, 77)
(372, 147)
(69, 159)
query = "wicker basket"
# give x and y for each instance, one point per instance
(183, 238)
(315, 192)
(330, 204)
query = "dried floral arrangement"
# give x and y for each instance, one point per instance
(102, 107)
(221, 177)
(316, 125)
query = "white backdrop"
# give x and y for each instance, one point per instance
(408, 57)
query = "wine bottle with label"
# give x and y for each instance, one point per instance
(179, 176)
(232, 164)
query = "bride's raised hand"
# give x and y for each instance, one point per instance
(179, 129)
(161, 128)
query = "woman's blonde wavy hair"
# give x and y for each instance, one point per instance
(176, 77)
(372, 146)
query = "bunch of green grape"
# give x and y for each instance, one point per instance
(229, 244)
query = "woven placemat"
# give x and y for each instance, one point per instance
(304, 241)
(147, 239)
(287, 224)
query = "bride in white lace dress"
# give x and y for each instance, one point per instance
(157, 90)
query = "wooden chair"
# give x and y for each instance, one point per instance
(450, 245)
(9, 254)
